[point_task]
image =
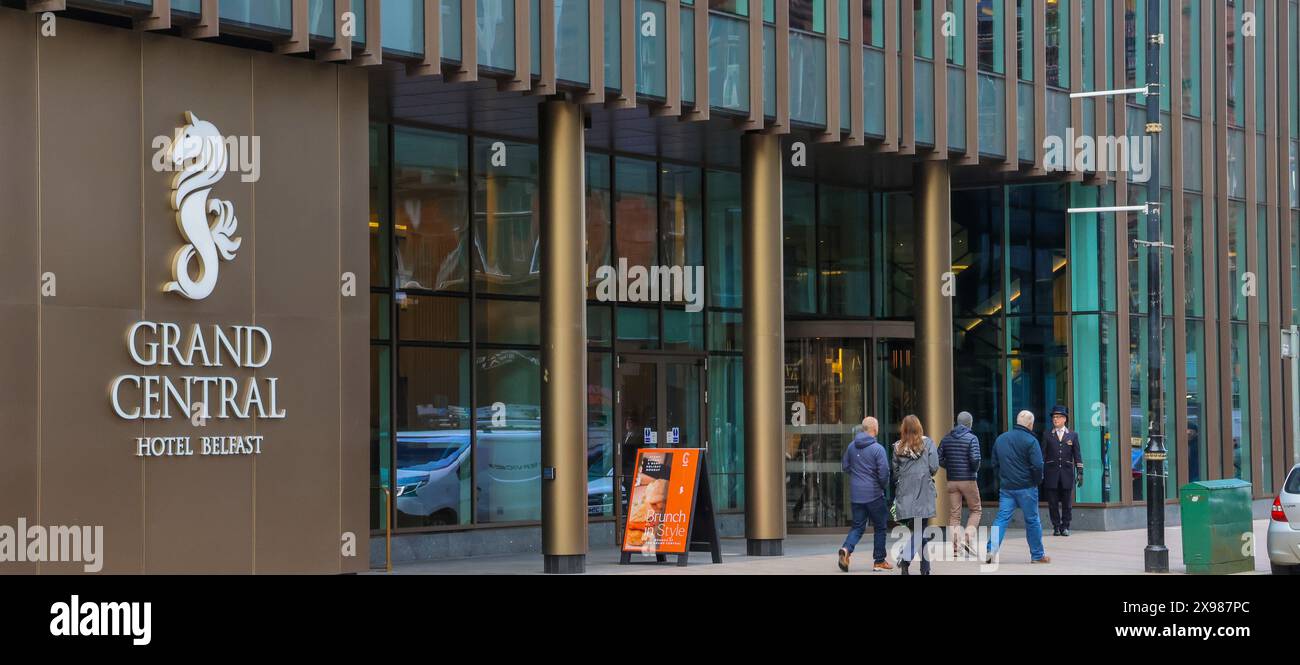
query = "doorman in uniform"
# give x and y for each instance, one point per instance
(1062, 470)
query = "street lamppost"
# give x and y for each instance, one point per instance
(1156, 555)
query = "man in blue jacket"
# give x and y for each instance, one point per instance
(867, 464)
(1018, 459)
(959, 455)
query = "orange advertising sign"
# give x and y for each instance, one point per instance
(662, 502)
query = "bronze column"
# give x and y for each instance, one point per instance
(564, 337)
(934, 286)
(764, 344)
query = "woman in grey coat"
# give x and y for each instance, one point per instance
(916, 460)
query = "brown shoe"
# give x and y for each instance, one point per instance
(844, 559)
(1045, 559)
(882, 565)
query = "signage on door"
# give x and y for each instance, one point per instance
(674, 436)
(650, 437)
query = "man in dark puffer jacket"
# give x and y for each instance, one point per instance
(959, 455)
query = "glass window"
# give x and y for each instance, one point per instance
(1092, 249)
(402, 26)
(808, 15)
(923, 28)
(800, 255)
(978, 218)
(638, 327)
(956, 42)
(683, 330)
(842, 260)
(1194, 249)
(433, 437)
(600, 197)
(1096, 405)
(507, 257)
(1237, 260)
(1263, 275)
(1191, 56)
(651, 50)
(1088, 33)
(274, 14)
(1058, 43)
(636, 226)
(726, 331)
(614, 44)
(873, 22)
(991, 36)
(1196, 461)
(508, 424)
(1231, 18)
(496, 34)
(727, 432)
(724, 241)
(1135, 53)
(432, 318)
(1025, 39)
(808, 79)
(681, 220)
(1241, 404)
(1265, 412)
(600, 434)
(507, 321)
(738, 7)
(380, 221)
(729, 63)
(572, 51)
(1038, 282)
(893, 252)
(320, 16)
(381, 432)
(430, 210)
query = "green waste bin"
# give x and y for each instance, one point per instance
(1217, 527)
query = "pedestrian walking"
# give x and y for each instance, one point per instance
(1062, 470)
(959, 455)
(867, 465)
(1018, 460)
(916, 460)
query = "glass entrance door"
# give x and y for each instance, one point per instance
(660, 402)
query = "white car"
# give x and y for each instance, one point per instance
(1284, 527)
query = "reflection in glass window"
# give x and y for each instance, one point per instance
(724, 242)
(379, 218)
(800, 252)
(738, 7)
(681, 216)
(1242, 413)
(956, 42)
(727, 432)
(381, 433)
(1196, 461)
(843, 271)
(977, 221)
(496, 34)
(430, 210)
(636, 233)
(600, 435)
(808, 16)
(508, 422)
(1058, 43)
(1025, 39)
(1191, 57)
(923, 27)
(1038, 281)
(600, 198)
(991, 36)
(507, 259)
(873, 22)
(433, 438)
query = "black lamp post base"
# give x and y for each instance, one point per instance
(1157, 559)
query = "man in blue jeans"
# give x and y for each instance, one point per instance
(1018, 460)
(867, 464)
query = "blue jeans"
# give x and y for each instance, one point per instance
(1026, 501)
(878, 513)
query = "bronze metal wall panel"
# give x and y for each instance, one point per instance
(20, 273)
(214, 83)
(90, 113)
(297, 489)
(354, 318)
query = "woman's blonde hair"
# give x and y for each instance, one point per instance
(910, 439)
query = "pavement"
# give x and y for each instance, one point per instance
(1082, 553)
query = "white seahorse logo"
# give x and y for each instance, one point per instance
(209, 225)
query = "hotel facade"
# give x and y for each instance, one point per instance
(415, 318)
